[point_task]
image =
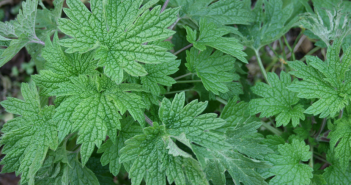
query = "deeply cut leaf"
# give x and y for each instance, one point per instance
(118, 29)
(277, 100)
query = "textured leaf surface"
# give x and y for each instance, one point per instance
(111, 149)
(212, 69)
(223, 12)
(23, 29)
(271, 22)
(157, 75)
(152, 162)
(287, 166)
(328, 22)
(336, 172)
(93, 109)
(118, 29)
(327, 81)
(212, 35)
(187, 120)
(28, 137)
(340, 139)
(61, 66)
(241, 130)
(238, 166)
(277, 100)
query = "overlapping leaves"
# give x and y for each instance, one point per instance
(212, 35)
(271, 22)
(118, 30)
(223, 12)
(327, 81)
(277, 100)
(287, 166)
(20, 32)
(28, 138)
(91, 107)
(212, 69)
(155, 154)
(60, 66)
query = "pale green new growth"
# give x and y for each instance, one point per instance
(329, 22)
(118, 30)
(287, 166)
(212, 35)
(327, 81)
(23, 29)
(212, 69)
(241, 168)
(277, 100)
(28, 138)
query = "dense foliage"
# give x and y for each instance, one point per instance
(118, 85)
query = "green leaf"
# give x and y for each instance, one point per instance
(23, 29)
(60, 66)
(111, 149)
(277, 100)
(118, 29)
(157, 74)
(335, 173)
(152, 162)
(222, 12)
(101, 172)
(239, 167)
(35, 132)
(187, 120)
(329, 22)
(15, 46)
(212, 35)
(92, 109)
(287, 166)
(212, 69)
(340, 139)
(241, 130)
(327, 81)
(77, 174)
(272, 22)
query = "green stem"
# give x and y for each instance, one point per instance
(179, 51)
(179, 77)
(164, 6)
(275, 52)
(297, 40)
(320, 158)
(261, 66)
(311, 160)
(148, 120)
(221, 100)
(272, 129)
(310, 53)
(188, 81)
(287, 44)
(282, 48)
